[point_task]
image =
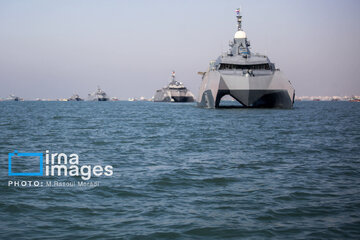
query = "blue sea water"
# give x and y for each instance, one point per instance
(181, 172)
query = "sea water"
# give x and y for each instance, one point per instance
(182, 172)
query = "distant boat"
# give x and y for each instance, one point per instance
(75, 97)
(174, 92)
(15, 98)
(99, 95)
(316, 99)
(354, 99)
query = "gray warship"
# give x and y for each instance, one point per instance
(174, 92)
(251, 79)
(75, 97)
(15, 98)
(99, 95)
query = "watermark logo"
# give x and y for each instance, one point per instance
(22, 156)
(54, 164)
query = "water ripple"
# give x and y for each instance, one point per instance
(181, 172)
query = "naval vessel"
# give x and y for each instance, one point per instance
(250, 78)
(14, 98)
(75, 97)
(174, 92)
(99, 95)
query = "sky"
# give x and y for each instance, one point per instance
(53, 49)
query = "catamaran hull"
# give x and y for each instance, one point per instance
(183, 99)
(173, 96)
(267, 90)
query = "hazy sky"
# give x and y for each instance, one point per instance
(52, 49)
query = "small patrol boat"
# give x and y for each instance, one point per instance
(99, 95)
(174, 92)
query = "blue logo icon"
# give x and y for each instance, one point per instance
(16, 153)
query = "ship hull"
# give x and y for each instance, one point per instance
(102, 99)
(183, 99)
(263, 89)
(173, 96)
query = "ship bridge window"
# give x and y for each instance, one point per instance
(225, 66)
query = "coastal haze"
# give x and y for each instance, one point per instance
(55, 49)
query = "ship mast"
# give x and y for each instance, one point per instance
(239, 19)
(240, 45)
(173, 77)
